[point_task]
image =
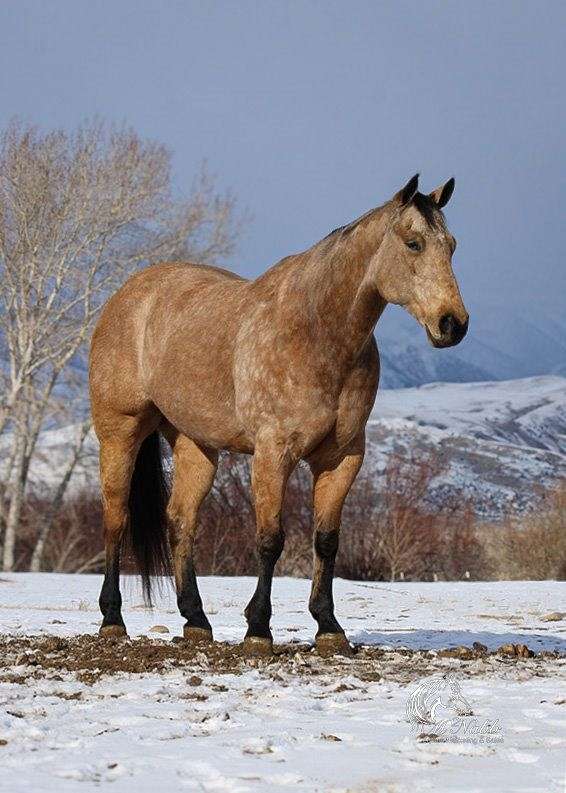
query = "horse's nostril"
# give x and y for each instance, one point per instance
(447, 324)
(452, 330)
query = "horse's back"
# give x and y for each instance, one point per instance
(158, 333)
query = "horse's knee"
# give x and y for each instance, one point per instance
(328, 511)
(270, 543)
(326, 543)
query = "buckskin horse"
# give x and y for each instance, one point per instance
(284, 367)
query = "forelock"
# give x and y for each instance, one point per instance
(428, 209)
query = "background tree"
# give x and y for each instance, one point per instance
(79, 212)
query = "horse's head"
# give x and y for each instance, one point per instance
(413, 265)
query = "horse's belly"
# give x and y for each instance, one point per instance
(205, 416)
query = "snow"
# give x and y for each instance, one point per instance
(513, 410)
(501, 442)
(310, 724)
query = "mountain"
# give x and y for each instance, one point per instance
(495, 349)
(502, 443)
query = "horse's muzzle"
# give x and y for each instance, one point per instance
(452, 331)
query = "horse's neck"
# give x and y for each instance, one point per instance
(339, 295)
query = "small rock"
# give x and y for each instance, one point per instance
(3, 742)
(195, 680)
(465, 653)
(554, 616)
(480, 648)
(343, 687)
(53, 644)
(159, 629)
(507, 649)
(448, 652)
(428, 737)
(523, 651)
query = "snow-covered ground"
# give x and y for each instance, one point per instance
(295, 721)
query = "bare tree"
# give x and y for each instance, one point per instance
(78, 213)
(391, 530)
(406, 531)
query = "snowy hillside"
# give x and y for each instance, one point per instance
(528, 412)
(500, 441)
(80, 714)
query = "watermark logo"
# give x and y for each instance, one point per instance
(437, 710)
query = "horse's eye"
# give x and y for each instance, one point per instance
(414, 245)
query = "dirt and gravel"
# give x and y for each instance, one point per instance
(91, 657)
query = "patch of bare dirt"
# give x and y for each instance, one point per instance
(90, 657)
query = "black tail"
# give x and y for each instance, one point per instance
(147, 535)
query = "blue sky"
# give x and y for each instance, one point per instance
(312, 112)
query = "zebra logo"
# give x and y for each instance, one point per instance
(436, 700)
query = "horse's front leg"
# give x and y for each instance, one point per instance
(270, 470)
(333, 477)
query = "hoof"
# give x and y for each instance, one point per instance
(113, 632)
(258, 646)
(333, 644)
(197, 635)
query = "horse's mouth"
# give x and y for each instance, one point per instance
(438, 341)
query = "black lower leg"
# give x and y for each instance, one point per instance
(189, 600)
(258, 610)
(110, 600)
(321, 604)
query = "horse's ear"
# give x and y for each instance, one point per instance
(442, 195)
(407, 193)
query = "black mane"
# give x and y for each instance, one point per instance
(424, 203)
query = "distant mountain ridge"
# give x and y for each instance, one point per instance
(502, 443)
(489, 352)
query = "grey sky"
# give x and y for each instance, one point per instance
(314, 112)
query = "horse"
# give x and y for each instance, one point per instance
(284, 367)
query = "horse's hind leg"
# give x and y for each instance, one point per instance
(195, 469)
(333, 475)
(119, 445)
